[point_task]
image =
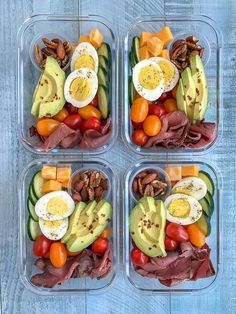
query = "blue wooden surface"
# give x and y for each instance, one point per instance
(120, 298)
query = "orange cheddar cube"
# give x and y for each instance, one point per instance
(83, 39)
(174, 172)
(155, 46)
(190, 171)
(49, 172)
(165, 54)
(143, 53)
(95, 37)
(144, 38)
(165, 35)
(51, 186)
(65, 184)
(63, 174)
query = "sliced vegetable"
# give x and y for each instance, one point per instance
(208, 180)
(103, 101)
(49, 172)
(206, 207)
(51, 185)
(210, 201)
(131, 90)
(136, 48)
(103, 63)
(37, 184)
(33, 229)
(102, 77)
(204, 224)
(196, 236)
(32, 197)
(31, 210)
(105, 51)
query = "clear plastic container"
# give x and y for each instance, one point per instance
(68, 27)
(206, 30)
(26, 260)
(148, 285)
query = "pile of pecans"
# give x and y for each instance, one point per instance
(183, 49)
(89, 185)
(149, 183)
(54, 48)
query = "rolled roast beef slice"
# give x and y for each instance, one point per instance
(102, 265)
(71, 140)
(106, 127)
(94, 139)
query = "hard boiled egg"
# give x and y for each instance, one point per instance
(81, 87)
(182, 209)
(84, 56)
(191, 186)
(148, 79)
(53, 230)
(170, 72)
(55, 206)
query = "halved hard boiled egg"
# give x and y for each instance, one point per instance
(55, 206)
(182, 209)
(84, 56)
(148, 79)
(170, 72)
(191, 186)
(81, 87)
(53, 230)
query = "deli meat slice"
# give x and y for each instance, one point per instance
(189, 263)
(205, 131)
(71, 140)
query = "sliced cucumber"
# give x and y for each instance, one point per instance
(103, 101)
(102, 77)
(209, 199)
(31, 210)
(136, 48)
(131, 90)
(104, 51)
(205, 207)
(208, 180)
(103, 63)
(132, 59)
(33, 229)
(32, 197)
(204, 224)
(37, 184)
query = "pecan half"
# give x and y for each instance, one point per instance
(135, 186)
(65, 61)
(67, 47)
(84, 194)
(192, 39)
(142, 174)
(90, 193)
(78, 185)
(38, 54)
(98, 193)
(104, 184)
(60, 50)
(149, 178)
(177, 51)
(76, 197)
(149, 191)
(49, 43)
(95, 179)
(49, 52)
(140, 186)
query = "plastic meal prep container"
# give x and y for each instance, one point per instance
(149, 285)
(209, 36)
(27, 259)
(68, 27)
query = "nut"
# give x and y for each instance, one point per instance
(49, 43)
(148, 191)
(177, 51)
(84, 194)
(201, 52)
(67, 47)
(149, 178)
(65, 61)
(38, 54)
(76, 197)
(60, 50)
(192, 39)
(104, 184)
(90, 193)
(98, 193)
(142, 174)
(135, 186)
(78, 186)
(49, 52)
(95, 179)
(178, 42)
(140, 186)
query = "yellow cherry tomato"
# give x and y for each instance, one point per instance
(139, 110)
(152, 125)
(61, 115)
(89, 111)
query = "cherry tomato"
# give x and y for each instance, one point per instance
(70, 108)
(41, 245)
(152, 125)
(91, 123)
(73, 253)
(137, 125)
(138, 257)
(157, 110)
(139, 110)
(100, 245)
(174, 91)
(106, 233)
(94, 102)
(61, 115)
(58, 254)
(47, 255)
(164, 96)
(139, 137)
(89, 111)
(170, 244)
(46, 127)
(170, 105)
(177, 232)
(196, 236)
(73, 121)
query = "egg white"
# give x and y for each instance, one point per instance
(195, 209)
(195, 185)
(41, 206)
(85, 73)
(84, 48)
(55, 233)
(149, 94)
(175, 78)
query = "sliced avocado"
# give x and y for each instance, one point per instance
(189, 92)
(148, 228)
(180, 97)
(199, 77)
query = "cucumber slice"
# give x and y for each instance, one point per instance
(37, 184)
(205, 207)
(136, 48)
(103, 63)
(210, 201)
(104, 51)
(103, 101)
(33, 229)
(131, 90)
(208, 180)
(204, 224)
(102, 77)
(132, 59)
(32, 197)
(31, 210)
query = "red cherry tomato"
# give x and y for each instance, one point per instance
(157, 110)
(70, 108)
(138, 257)
(170, 244)
(94, 102)
(41, 245)
(177, 232)
(139, 137)
(137, 125)
(91, 123)
(164, 96)
(100, 245)
(73, 121)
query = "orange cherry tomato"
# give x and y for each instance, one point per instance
(61, 115)
(58, 254)
(196, 237)
(46, 127)
(73, 253)
(139, 110)
(106, 233)
(89, 111)
(170, 105)
(174, 91)
(152, 125)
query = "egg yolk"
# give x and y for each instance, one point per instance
(57, 206)
(179, 208)
(149, 77)
(85, 61)
(80, 88)
(52, 224)
(167, 70)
